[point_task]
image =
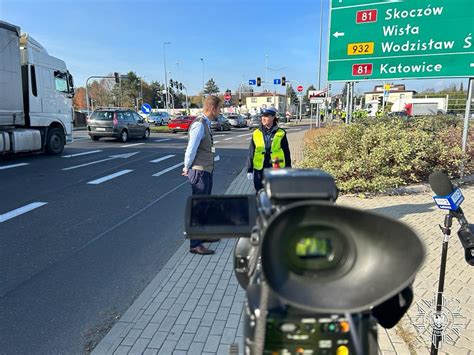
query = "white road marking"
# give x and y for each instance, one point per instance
(243, 135)
(19, 211)
(163, 140)
(168, 169)
(83, 153)
(109, 177)
(130, 145)
(215, 142)
(161, 159)
(123, 156)
(219, 135)
(226, 139)
(13, 166)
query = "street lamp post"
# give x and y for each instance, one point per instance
(202, 92)
(166, 76)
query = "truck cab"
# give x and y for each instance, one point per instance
(36, 110)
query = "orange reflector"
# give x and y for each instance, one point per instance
(344, 326)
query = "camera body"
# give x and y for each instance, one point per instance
(318, 277)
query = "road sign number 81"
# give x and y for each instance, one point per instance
(362, 69)
(366, 16)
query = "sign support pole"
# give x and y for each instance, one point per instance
(467, 114)
(311, 117)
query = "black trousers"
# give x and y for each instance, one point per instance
(201, 184)
(258, 179)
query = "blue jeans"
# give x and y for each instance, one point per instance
(201, 184)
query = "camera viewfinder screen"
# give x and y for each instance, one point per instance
(313, 247)
(220, 212)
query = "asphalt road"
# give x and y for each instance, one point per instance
(82, 234)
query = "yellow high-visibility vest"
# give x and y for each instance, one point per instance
(276, 151)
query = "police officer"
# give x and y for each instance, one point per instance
(268, 148)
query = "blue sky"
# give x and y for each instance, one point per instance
(233, 37)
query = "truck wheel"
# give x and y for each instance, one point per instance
(124, 136)
(55, 141)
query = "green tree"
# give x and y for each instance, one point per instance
(211, 87)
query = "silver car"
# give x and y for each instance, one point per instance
(236, 120)
(158, 118)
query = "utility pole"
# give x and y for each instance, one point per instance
(320, 57)
(202, 92)
(166, 77)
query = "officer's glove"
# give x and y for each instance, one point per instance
(250, 176)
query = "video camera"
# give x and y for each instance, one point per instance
(318, 277)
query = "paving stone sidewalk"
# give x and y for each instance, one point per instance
(180, 314)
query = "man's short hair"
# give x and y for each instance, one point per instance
(212, 101)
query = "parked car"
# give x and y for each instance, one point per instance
(237, 120)
(221, 124)
(158, 118)
(181, 123)
(254, 121)
(118, 123)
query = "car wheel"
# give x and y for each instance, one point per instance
(55, 141)
(124, 136)
(161, 123)
(173, 131)
(95, 138)
(221, 128)
(146, 135)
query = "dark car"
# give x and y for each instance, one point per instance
(181, 123)
(118, 123)
(255, 121)
(158, 118)
(221, 124)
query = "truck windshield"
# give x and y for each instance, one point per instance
(102, 116)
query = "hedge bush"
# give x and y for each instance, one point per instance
(376, 154)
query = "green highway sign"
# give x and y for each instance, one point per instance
(400, 39)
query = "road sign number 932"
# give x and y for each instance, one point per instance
(360, 48)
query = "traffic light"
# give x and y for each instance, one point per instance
(283, 81)
(181, 86)
(259, 81)
(117, 78)
(380, 100)
(251, 92)
(171, 82)
(176, 84)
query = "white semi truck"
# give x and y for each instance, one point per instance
(36, 91)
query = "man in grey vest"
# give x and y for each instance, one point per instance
(199, 159)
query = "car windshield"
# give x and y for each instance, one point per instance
(102, 115)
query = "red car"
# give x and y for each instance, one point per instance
(181, 123)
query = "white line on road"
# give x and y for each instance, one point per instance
(168, 169)
(19, 211)
(219, 135)
(226, 139)
(162, 158)
(130, 145)
(109, 177)
(83, 153)
(123, 156)
(243, 135)
(215, 142)
(13, 166)
(163, 140)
